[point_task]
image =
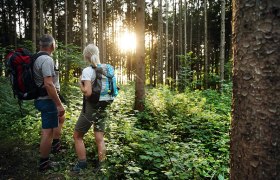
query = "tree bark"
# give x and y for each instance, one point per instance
(166, 43)
(33, 25)
(53, 20)
(83, 24)
(100, 30)
(205, 46)
(89, 22)
(41, 19)
(222, 45)
(255, 134)
(140, 56)
(159, 45)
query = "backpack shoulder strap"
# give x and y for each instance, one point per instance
(35, 56)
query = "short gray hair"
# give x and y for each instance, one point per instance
(46, 41)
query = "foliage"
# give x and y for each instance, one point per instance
(178, 136)
(186, 74)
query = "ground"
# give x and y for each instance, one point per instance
(18, 161)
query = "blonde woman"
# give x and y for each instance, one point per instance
(91, 114)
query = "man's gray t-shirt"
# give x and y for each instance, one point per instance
(44, 67)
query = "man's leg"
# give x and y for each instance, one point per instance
(45, 148)
(56, 144)
(46, 141)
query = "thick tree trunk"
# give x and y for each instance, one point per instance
(255, 127)
(140, 56)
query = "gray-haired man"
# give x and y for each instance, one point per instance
(49, 103)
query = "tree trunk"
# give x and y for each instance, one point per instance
(173, 73)
(185, 27)
(33, 25)
(83, 24)
(166, 43)
(255, 142)
(140, 56)
(67, 72)
(222, 45)
(159, 45)
(89, 22)
(205, 46)
(41, 18)
(70, 7)
(100, 30)
(53, 19)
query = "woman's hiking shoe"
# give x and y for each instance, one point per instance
(80, 165)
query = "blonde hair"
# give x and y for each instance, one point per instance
(91, 54)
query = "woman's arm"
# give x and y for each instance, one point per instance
(85, 87)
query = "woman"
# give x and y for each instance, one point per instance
(91, 114)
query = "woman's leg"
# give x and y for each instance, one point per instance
(99, 139)
(79, 145)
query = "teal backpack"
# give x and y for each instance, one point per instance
(104, 88)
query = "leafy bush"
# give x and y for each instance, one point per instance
(178, 136)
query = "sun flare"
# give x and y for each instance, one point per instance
(127, 41)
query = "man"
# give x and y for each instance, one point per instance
(48, 103)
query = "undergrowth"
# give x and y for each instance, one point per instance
(178, 136)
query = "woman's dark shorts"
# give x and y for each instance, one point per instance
(49, 113)
(94, 114)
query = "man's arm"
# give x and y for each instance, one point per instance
(48, 83)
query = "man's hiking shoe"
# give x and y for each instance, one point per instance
(47, 165)
(56, 147)
(80, 165)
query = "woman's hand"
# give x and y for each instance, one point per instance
(85, 87)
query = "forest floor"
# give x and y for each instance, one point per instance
(19, 161)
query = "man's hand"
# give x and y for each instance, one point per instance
(61, 110)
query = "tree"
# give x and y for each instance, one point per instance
(100, 30)
(83, 24)
(89, 22)
(160, 46)
(205, 46)
(255, 142)
(166, 41)
(53, 19)
(140, 56)
(222, 45)
(41, 19)
(33, 25)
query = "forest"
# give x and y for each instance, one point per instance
(199, 87)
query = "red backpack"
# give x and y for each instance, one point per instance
(20, 66)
